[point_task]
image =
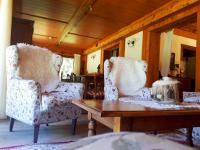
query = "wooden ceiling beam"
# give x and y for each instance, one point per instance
(158, 14)
(185, 33)
(83, 10)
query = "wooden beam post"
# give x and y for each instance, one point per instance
(102, 61)
(145, 52)
(198, 53)
(151, 51)
(122, 47)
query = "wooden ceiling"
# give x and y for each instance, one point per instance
(189, 27)
(103, 18)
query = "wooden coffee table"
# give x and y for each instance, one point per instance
(122, 116)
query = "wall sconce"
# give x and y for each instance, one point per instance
(131, 43)
(93, 57)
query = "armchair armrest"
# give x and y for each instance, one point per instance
(191, 97)
(23, 100)
(110, 93)
(76, 90)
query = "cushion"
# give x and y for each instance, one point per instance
(38, 64)
(128, 75)
(192, 99)
(56, 99)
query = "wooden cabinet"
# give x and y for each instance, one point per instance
(22, 31)
(94, 86)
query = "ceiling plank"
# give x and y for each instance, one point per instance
(32, 15)
(164, 11)
(84, 9)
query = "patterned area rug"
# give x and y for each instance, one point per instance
(179, 137)
(175, 136)
(44, 146)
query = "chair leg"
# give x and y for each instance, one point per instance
(12, 121)
(36, 132)
(189, 136)
(74, 122)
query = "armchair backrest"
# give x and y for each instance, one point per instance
(126, 74)
(33, 63)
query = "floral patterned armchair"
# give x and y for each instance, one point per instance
(124, 65)
(35, 94)
(193, 97)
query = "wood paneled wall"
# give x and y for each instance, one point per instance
(165, 11)
(198, 53)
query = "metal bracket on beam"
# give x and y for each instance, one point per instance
(84, 9)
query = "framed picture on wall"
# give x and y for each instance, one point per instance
(172, 61)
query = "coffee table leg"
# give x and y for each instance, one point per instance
(189, 136)
(92, 127)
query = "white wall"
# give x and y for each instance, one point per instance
(162, 40)
(176, 46)
(136, 50)
(93, 60)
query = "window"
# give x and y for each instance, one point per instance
(67, 67)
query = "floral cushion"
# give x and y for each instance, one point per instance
(193, 97)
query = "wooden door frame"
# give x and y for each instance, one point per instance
(166, 24)
(191, 48)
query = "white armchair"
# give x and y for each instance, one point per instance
(124, 77)
(35, 94)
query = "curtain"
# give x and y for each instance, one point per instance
(166, 49)
(5, 35)
(77, 64)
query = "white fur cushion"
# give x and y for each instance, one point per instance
(127, 75)
(37, 63)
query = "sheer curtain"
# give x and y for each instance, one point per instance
(5, 34)
(77, 64)
(166, 49)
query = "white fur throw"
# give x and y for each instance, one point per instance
(127, 75)
(38, 64)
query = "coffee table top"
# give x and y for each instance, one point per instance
(118, 108)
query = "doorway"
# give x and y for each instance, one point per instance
(188, 65)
